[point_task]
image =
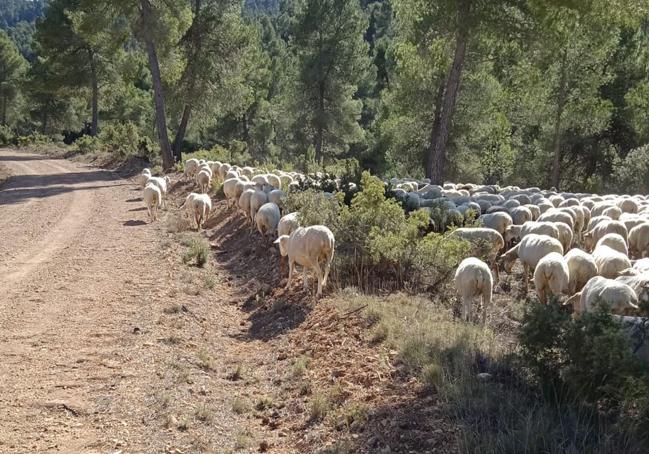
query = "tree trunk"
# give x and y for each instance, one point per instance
(158, 94)
(319, 135)
(94, 128)
(438, 110)
(180, 134)
(556, 139)
(3, 119)
(437, 153)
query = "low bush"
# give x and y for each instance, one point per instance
(379, 246)
(87, 144)
(7, 136)
(198, 252)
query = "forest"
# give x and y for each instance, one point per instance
(523, 92)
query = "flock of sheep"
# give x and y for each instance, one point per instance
(592, 249)
(259, 196)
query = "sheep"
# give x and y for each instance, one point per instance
(557, 216)
(602, 228)
(312, 248)
(627, 205)
(551, 275)
(152, 196)
(535, 210)
(640, 285)
(619, 297)
(144, 177)
(498, 221)
(267, 219)
(641, 266)
(203, 178)
(530, 250)
(612, 212)
(248, 171)
(639, 240)
(191, 166)
(223, 170)
(610, 263)
(614, 241)
(274, 181)
(565, 235)
(472, 279)
(214, 167)
(277, 196)
(484, 242)
(229, 189)
(200, 205)
(517, 232)
(257, 199)
(162, 184)
(244, 202)
(581, 268)
(596, 220)
(520, 215)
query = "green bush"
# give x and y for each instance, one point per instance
(120, 138)
(198, 252)
(7, 136)
(87, 144)
(588, 361)
(33, 139)
(378, 246)
(630, 174)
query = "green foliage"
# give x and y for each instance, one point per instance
(631, 174)
(588, 360)
(198, 252)
(377, 245)
(7, 136)
(120, 138)
(12, 70)
(87, 144)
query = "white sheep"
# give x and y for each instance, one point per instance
(229, 189)
(610, 263)
(498, 221)
(288, 224)
(520, 215)
(581, 268)
(267, 219)
(530, 250)
(485, 242)
(143, 178)
(191, 166)
(274, 181)
(473, 279)
(618, 297)
(200, 206)
(277, 196)
(257, 200)
(204, 178)
(556, 215)
(551, 275)
(639, 240)
(152, 196)
(565, 235)
(602, 228)
(312, 248)
(244, 202)
(163, 184)
(614, 241)
(640, 285)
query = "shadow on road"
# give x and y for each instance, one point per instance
(134, 223)
(18, 188)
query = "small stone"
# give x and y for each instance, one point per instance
(264, 446)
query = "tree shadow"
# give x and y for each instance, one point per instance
(134, 223)
(138, 209)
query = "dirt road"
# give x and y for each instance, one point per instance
(103, 346)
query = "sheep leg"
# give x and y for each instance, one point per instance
(305, 281)
(526, 272)
(328, 267)
(496, 272)
(466, 303)
(291, 267)
(543, 299)
(319, 274)
(486, 303)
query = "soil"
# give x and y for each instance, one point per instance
(110, 343)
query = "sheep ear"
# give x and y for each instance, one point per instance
(277, 241)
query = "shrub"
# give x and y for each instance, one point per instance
(7, 136)
(586, 360)
(199, 252)
(121, 138)
(87, 144)
(378, 246)
(630, 174)
(34, 139)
